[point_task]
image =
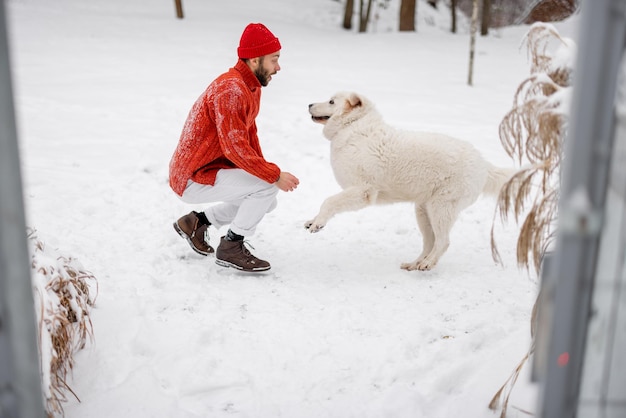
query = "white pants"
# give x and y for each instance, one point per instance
(245, 199)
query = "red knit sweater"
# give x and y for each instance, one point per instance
(220, 132)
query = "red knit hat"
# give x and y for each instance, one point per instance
(257, 41)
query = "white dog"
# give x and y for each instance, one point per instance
(377, 164)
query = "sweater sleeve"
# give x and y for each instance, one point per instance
(236, 129)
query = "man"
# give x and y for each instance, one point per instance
(219, 159)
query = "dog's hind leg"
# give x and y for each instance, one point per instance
(352, 198)
(441, 216)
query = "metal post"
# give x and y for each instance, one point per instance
(583, 194)
(20, 378)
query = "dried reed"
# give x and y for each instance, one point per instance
(534, 130)
(64, 295)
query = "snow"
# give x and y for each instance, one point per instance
(336, 328)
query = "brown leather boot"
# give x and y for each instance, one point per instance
(196, 235)
(235, 254)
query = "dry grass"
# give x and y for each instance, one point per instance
(532, 133)
(507, 388)
(64, 296)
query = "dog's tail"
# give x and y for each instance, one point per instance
(496, 178)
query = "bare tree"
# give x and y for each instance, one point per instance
(470, 75)
(179, 8)
(407, 15)
(347, 16)
(453, 10)
(485, 22)
(364, 15)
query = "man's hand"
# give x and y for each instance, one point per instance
(287, 182)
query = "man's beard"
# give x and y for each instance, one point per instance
(262, 74)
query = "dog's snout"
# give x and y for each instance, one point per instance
(310, 105)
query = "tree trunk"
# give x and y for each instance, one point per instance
(407, 15)
(552, 11)
(179, 8)
(347, 16)
(364, 15)
(486, 18)
(470, 75)
(453, 10)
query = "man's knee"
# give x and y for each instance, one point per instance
(271, 190)
(272, 206)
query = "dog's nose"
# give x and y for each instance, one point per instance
(311, 105)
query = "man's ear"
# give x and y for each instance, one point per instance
(254, 62)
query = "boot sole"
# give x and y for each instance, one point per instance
(193, 247)
(223, 263)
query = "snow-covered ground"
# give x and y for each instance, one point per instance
(336, 329)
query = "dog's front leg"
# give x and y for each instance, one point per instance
(352, 198)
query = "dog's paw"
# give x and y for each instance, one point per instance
(421, 265)
(312, 226)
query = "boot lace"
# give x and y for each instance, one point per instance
(195, 227)
(205, 234)
(244, 247)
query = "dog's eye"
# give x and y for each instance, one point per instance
(332, 102)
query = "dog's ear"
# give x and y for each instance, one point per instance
(354, 100)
